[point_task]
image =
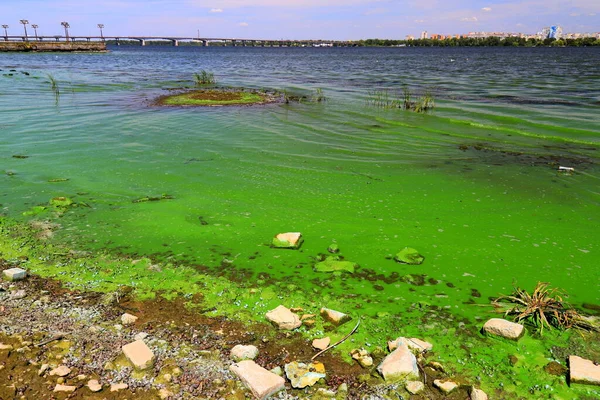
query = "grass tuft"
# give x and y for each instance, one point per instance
(543, 307)
(204, 78)
(387, 99)
(54, 88)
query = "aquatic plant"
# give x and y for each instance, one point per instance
(386, 99)
(204, 78)
(319, 96)
(54, 88)
(543, 307)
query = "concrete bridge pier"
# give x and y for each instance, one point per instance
(175, 42)
(205, 43)
(142, 42)
(117, 42)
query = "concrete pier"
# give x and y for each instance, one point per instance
(53, 46)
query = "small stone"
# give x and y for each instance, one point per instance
(14, 274)
(583, 371)
(289, 240)
(261, 382)
(94, 385)
(307, 316)
(277, 371)
(43, 369)
(333, 248)
(241, 352)
(555, 368)
(128, 319)
(445, 386)
(140, 336)
(337, 318)
(284, 318)
(414, 387)
(477, 394)
(5, 346)
(139, 354)
(401, 363)
(115, 387)
(416, 345)
(64, 388)
(504, 328)
(81, 377)
(61, 370)
(164, 394)
(302, 375)
(324, 393)
(18, 294)
(321, 344)
(296, 309)
(60, 380)
(436, 366)
(409, 256)
(309, 323)
(362, 356)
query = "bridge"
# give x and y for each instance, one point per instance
(176, 40)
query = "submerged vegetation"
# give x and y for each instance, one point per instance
(543, 307)
(389, 99)
(54, 88)
(216, 97)
(204, 78)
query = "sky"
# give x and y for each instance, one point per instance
(298, 19)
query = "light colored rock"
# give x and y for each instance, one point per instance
(140, 336)
(321, 344)
(61, 370)
(261, 382)
(164, 394)
(323, 393)
(504, 328)
(445, 386)
(583, 371)
(43, 369)
(363, 357)
(399, 364)
(18, 294)
(302, 375)
(241, 352)
(115, 387)
(139, 355)
(416, 345)
(5, 346)
(94, 385)
(128, 319)
(415, 387)
(288, 240)
(64, 388)
(81, 377)
(14, 274)
(284, 318)
(337, 318)
(277, 371)
(477, 394)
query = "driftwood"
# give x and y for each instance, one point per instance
(338, 342)
(58, 336)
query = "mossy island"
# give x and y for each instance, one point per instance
(217, 97)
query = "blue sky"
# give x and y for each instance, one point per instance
(296, 19)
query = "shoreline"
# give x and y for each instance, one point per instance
(176, 320)
(46, 47)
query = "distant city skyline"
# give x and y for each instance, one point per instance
(297, 19)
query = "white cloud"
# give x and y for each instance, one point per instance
(419, 21)
(487, 9)
(243, 24)
(469, 19)
(216, 10)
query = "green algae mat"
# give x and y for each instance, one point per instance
(195, 197)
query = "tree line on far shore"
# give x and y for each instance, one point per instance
(448, 42)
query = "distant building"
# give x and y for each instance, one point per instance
(410, 37)
(424, 35)
(551, 32)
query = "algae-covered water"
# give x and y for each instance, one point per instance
(474, 185)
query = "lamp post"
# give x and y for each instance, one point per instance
(101, 26)
(66, 26)
(35, 26)
(25, 22)
(5, 32)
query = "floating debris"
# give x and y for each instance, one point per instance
(409, 256)
(153, 198)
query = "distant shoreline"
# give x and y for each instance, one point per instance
(95, 47)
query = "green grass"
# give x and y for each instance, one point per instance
(388, 99)
(204, 78)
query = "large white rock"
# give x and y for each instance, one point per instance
(414, 387)
(94, 385)
(504, 328)
(478, 394)
(335, 317)
(302, 375)
(61, 370)
(416, 345)
(241, 352)
(261, 382)
(14, 274)
(64, 388)
(399, 364)
(288, 240)
(139, 354)
(128, 319)
(583, 371)
(284, 318)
